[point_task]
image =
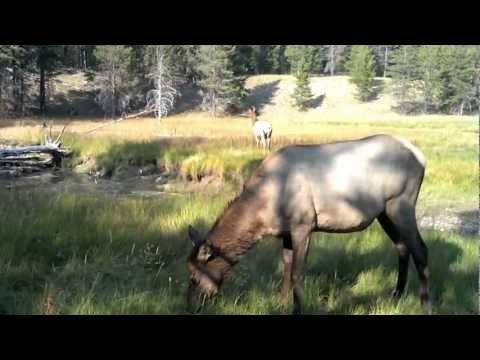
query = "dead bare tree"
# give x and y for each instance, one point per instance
(161, 99)
(332, 59)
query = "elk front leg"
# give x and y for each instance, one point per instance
(300, 244)
(287, 259)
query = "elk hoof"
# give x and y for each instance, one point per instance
(283, 298)
(397, 294)
(427, 308)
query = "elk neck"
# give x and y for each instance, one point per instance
(236, 231)
(253, 119)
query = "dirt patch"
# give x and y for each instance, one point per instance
(464, 222)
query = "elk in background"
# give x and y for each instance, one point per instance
(262, 130)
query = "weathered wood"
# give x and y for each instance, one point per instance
(7, 162)
(27, 159)
(118, 120)
(51, 148)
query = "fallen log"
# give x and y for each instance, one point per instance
(34, 156)
(50, 148)
(15, 160)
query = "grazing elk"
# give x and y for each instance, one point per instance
(337, 188)
(262, 130)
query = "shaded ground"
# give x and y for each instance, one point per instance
(75, 103)
(127, 182)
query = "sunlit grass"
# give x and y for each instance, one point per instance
(449, 143)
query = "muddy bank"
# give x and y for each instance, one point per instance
(464, 222)
(128, 181)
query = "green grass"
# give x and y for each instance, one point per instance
(128, 256)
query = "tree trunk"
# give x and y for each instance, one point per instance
(1, 85)
(84, 51)
(214, 104)
(42, 89)
(80, 58)
(22, 95)
(15, 89)
(385, 64)
(113, 92)
(159, 82)
(332, 59)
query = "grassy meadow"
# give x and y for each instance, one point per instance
(66, 252)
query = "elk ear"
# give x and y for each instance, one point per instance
(194, 236)
(205, 252)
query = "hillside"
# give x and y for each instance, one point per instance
(73, 91)
(333, 98)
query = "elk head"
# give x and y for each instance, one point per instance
(252, 113)
(204, 280)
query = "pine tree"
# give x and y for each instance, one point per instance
(440, 78)
(12, 66)
(223, 88)
(461, 69)
(405, 75)
(432, 73)
(47, 57)
(302, 93)
(113, 77)
(361, 69)
(278, 60)
(302, 57)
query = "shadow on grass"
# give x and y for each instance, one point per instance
(469, 223)
(159, 153)
(358, 278)
(377, 89)
(316, 102)
(263, 95)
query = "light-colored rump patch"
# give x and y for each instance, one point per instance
(418, 154)
(262, 128)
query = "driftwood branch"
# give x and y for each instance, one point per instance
(118, 120)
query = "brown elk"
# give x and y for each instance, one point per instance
(337, 188)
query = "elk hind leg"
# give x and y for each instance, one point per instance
(403, 253)
(402, 213)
